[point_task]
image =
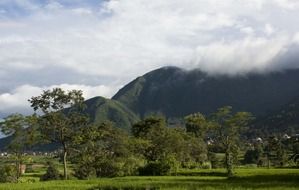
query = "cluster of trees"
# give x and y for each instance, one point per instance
(100, 149)
(276, 150)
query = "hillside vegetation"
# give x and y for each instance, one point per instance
(175, 92)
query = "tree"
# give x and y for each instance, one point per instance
(23, 134)
(61, 117)
(196, 124)
(154, 130)
(253, 156)
(228, 127)
(52, 173)
(167, 147)
(101, 150)
(277, 149)
(143, 127)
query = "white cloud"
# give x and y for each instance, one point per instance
(247, 30)
(17, 99)
(269, 30)
(249, 54)
(121, 39)
(288, 4)
(134, 37)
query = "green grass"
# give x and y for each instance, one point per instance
(187, 180)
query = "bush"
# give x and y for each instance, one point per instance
(85, 171)
(8, 174)
(157, 168)
(251, 157)
(206, 165)
(108, 168)
(51, 174)
(131, 166)
(29, 169)
(216, 162)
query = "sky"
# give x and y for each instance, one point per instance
(100, 45)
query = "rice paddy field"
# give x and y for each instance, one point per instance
(199, 179)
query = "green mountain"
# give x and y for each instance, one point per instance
(100, 109)
(175, 92)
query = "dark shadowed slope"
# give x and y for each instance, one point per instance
(176, 92)
(283, 120)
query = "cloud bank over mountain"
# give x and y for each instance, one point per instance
(93, 44)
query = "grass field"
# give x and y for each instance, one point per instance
(186, 180)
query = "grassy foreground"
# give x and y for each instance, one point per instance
(186, 180)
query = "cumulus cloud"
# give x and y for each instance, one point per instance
(108, 43)
(17, 99)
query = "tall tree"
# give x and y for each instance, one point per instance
(151, 129)
(197, 126)
(61, 117)
(228, 127)
(23, 134)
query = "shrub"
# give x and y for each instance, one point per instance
(8, 174)
(251, 157)
(206, 165)
(216, 162)
(85, 171)
(107, 168)
(157, 168)
(51, 174)
(29, 168)
(131, 165)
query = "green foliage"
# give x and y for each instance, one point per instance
(216, 161)
(255, 154)
(228, 127)
(84, 171)
(196, 124)
(58, 124)
(8, 173)
(149, 124)
(155, 168)
(22, 130)
(52, 173)
(23, 134)
(107, 168)
(277, 151)
(252, 156)
(166, 148)
(103, 150)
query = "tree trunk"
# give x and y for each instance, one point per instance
(64, 163)
(18, 169)
(229, 164)
(268, 160)
(18, 166)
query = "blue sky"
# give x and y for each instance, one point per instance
(98, 46)
(21, 8)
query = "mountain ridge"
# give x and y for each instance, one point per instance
(177, 92)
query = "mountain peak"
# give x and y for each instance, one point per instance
(176, 92)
